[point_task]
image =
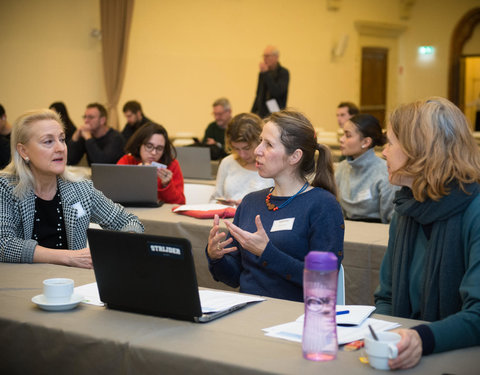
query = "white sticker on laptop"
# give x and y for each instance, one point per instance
(165, 250)
(283, 224)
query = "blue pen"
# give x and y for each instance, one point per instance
(343, 312)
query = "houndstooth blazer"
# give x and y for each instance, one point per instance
(81, 204)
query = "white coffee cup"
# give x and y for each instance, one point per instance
(379, 352)
(58, 290)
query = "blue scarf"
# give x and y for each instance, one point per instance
(444, 255)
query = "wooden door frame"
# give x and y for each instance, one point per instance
(461, 34)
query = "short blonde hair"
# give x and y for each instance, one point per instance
(244, 127)
(22, 133)
(440, 148)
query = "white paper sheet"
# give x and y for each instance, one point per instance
(293, 331)
(272, 105)
(210, 300)
(213, 300)
(90, 294)
(355, 316)
(200, 207)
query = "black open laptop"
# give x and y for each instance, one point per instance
(129, 185)
(148, 274)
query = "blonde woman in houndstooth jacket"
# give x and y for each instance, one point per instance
(45, 210)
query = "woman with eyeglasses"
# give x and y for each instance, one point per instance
(150, 144)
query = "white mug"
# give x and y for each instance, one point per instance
(379, 352)
(58, 290)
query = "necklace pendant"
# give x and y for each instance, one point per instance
(271, 206)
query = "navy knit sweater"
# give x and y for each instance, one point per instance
(278, 272)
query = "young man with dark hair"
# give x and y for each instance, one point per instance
(95, 138)
(135, 118)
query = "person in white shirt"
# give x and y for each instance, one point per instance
(237, 175)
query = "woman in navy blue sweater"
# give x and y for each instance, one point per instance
(275, 228)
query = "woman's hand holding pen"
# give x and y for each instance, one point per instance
(253, 242)
(216, 241)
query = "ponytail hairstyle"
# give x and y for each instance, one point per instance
(369, 127)
(297, 132)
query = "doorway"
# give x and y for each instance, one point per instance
(470, 77)
(373, 83)
(461, 34)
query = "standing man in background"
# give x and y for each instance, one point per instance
(214, 137)
(273, 82)
(101, 143)
(5, 129)
(135, 118)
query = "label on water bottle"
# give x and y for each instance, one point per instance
(319, 339)
(320, 305)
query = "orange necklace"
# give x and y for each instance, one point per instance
(272, 207)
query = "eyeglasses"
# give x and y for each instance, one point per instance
(216, 114)
(149, 148)
(90, 117)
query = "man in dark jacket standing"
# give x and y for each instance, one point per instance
(272, 83)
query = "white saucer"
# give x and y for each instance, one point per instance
(41, 302)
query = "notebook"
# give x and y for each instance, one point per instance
(148, 274)
(129, 185)
(195, 162)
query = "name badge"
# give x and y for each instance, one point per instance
(364, 195)
(80, 210)
(284, 224)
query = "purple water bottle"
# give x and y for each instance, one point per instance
(320, 277)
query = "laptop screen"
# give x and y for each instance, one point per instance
(195, 162)
(145, 273)
(129, 185)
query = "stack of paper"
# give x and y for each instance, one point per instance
(215, 300)
(351, 326)
(200, 207)
(210, 300)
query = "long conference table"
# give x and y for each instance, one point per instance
(364, 247)
(96, 340)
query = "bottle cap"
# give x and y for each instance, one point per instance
(321, 261)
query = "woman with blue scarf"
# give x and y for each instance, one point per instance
(431, 270)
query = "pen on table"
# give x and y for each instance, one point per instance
(343, 312)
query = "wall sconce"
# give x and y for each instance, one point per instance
(339, 48)
(96, 33)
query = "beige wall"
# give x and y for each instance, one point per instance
(183, 54)
(48, 55)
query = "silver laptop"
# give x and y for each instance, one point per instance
(195, 162)
(148, 274)
(129, 185)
